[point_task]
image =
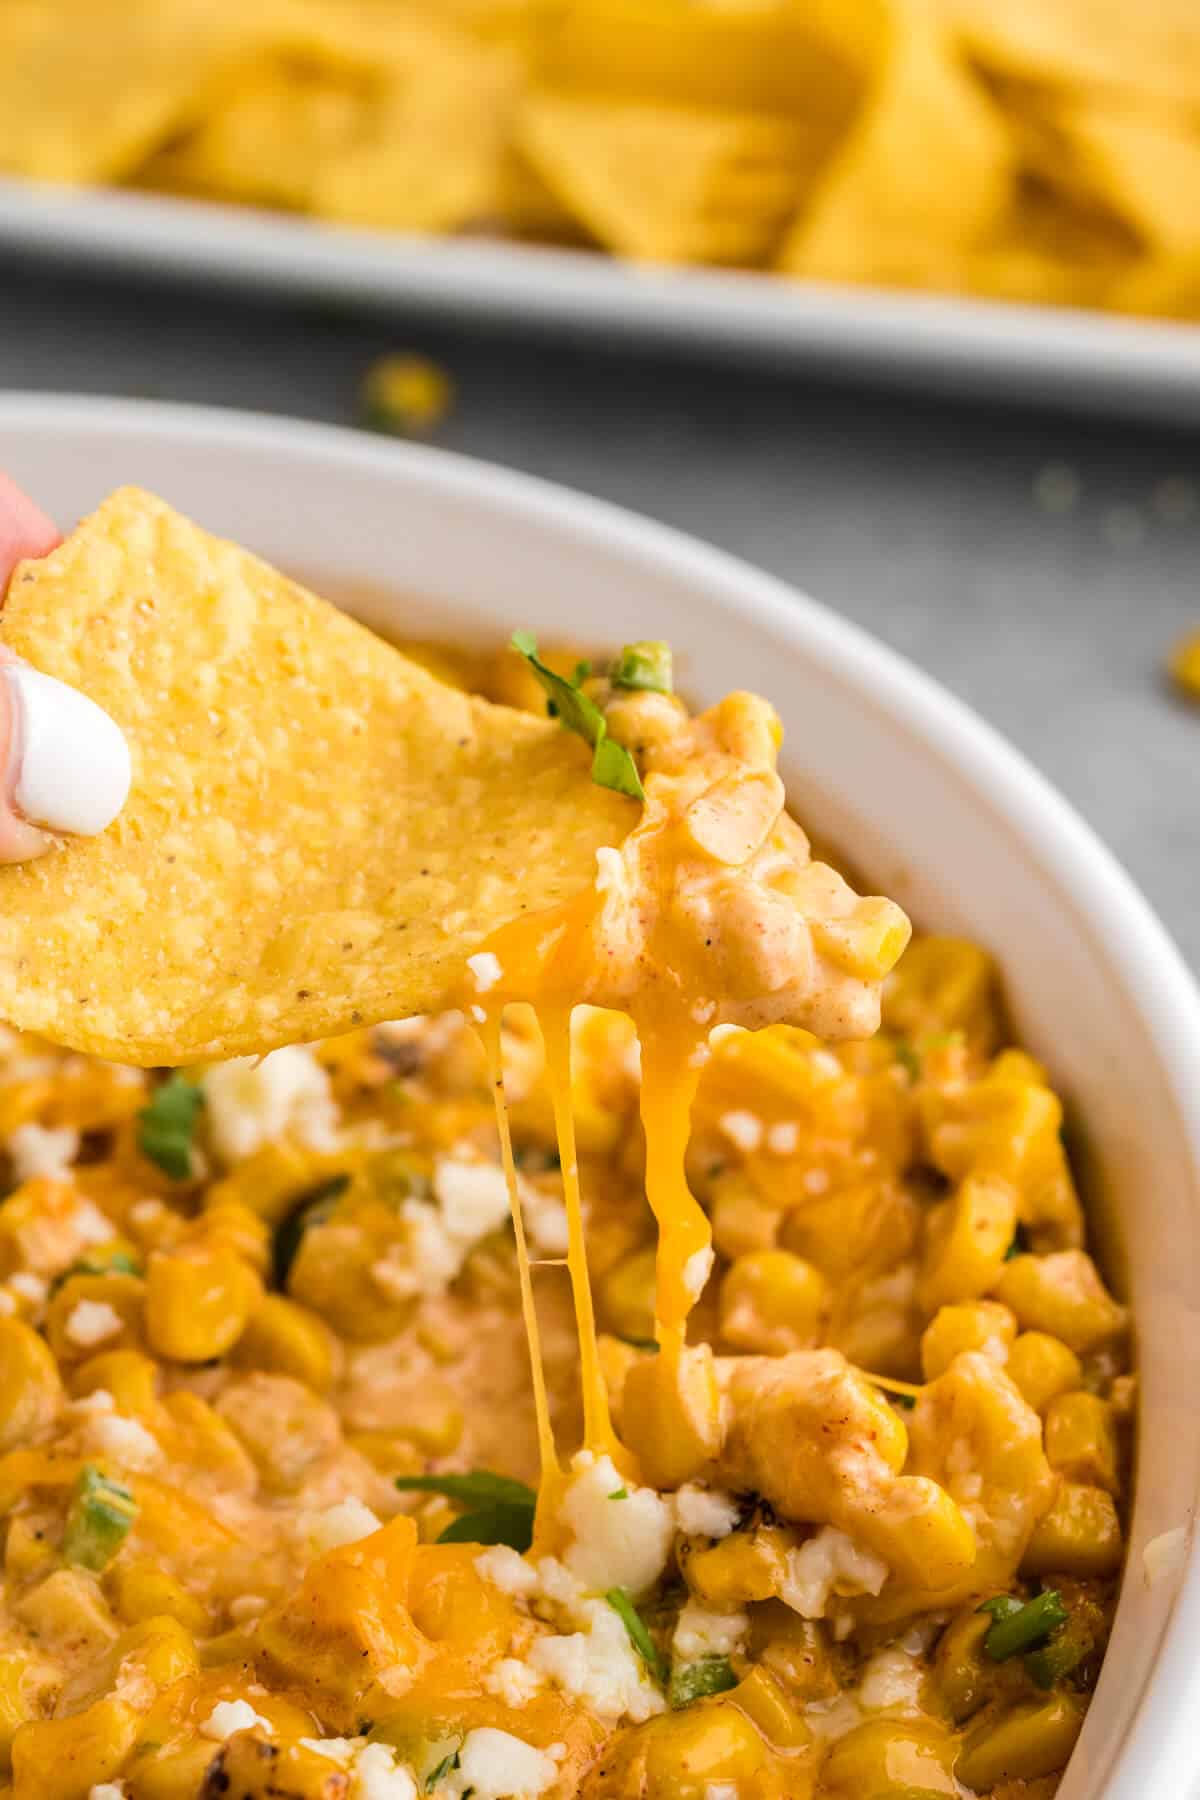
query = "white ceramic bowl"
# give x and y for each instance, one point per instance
(923, 797)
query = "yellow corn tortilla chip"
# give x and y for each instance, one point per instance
(924, 173)
(434, 154)
(88, 88)
(669, 183)
(266, 143)
(319, 833)
(758, 56)
(1050, 251)
(1142, 166)
(1150, 50)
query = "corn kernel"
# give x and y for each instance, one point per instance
(198, 1303)
(672, 1415)
(1061, 1294)
(30, 1389)
(974, 1325)
(1080, 1535)
(967, 1238)
(286, 1339)
(1023, 1744)
(772, 1301)
(1081, 1440)
(1041, 1366)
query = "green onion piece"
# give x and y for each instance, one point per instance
(612, 765)
(646, 665)
(166, 1126)
(621, 1493)
(98, 1521)
(1019, 1626)
(695, 1681)
(1054, 1660)
(622, 1604)
(312, 1207)
(649, 1345)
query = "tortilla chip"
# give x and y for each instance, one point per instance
(89, 88)
(434, 156)
(924, 174)
(1149, 49)
(1142, 167)
(762, 56)
(1050, 251)
(319, 833)
(670, 183)
(267, 142)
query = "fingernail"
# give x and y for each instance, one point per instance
(73, 768)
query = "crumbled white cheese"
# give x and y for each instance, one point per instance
(829, 1720)
(28, 1286)
(827, 1563)
(93, 1322)
(485, 967)
(816, 1181)
(599, 1666)
(229, 1716)
(705, 1512)
(8, 1304)
(696, 1271)
(783, 1138)
(495, 1765)
(42, 1150)
(144, 1214)
(472, 1202)
(610, 871)
(721, 1790)
(700, 1633)
(244, 1607)
(891, 1681)
(545, 1219)
(378, 1776)
(344, 1523)
(341, 1751)
(617, 1542)
(86, 1407)
(107, 1790)
(513, 1682)
(473, 1197)
(88, 1225)
(1165, 1555)
(424, 1261)
(124, 1440)
(824, 1062)
(252, 1102)
(506, 1569)
(743, 1129)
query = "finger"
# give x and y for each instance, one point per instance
(66, 763)
(24, 529)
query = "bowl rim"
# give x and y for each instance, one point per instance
(1160, 1739)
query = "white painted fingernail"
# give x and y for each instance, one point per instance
(73, 768)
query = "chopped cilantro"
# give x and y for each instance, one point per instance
(167, 1124)
(646, 665)
(622, 1604)
(1019, 1625)
(500, 1510)
(695, 1681)
(612, 765)
(310, 1208)
(98, 1521)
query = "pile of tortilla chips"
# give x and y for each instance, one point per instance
(1035, 150)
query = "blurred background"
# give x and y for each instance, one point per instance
(893, 297)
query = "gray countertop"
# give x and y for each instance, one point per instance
(1040, 566)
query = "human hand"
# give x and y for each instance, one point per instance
(64, 764)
